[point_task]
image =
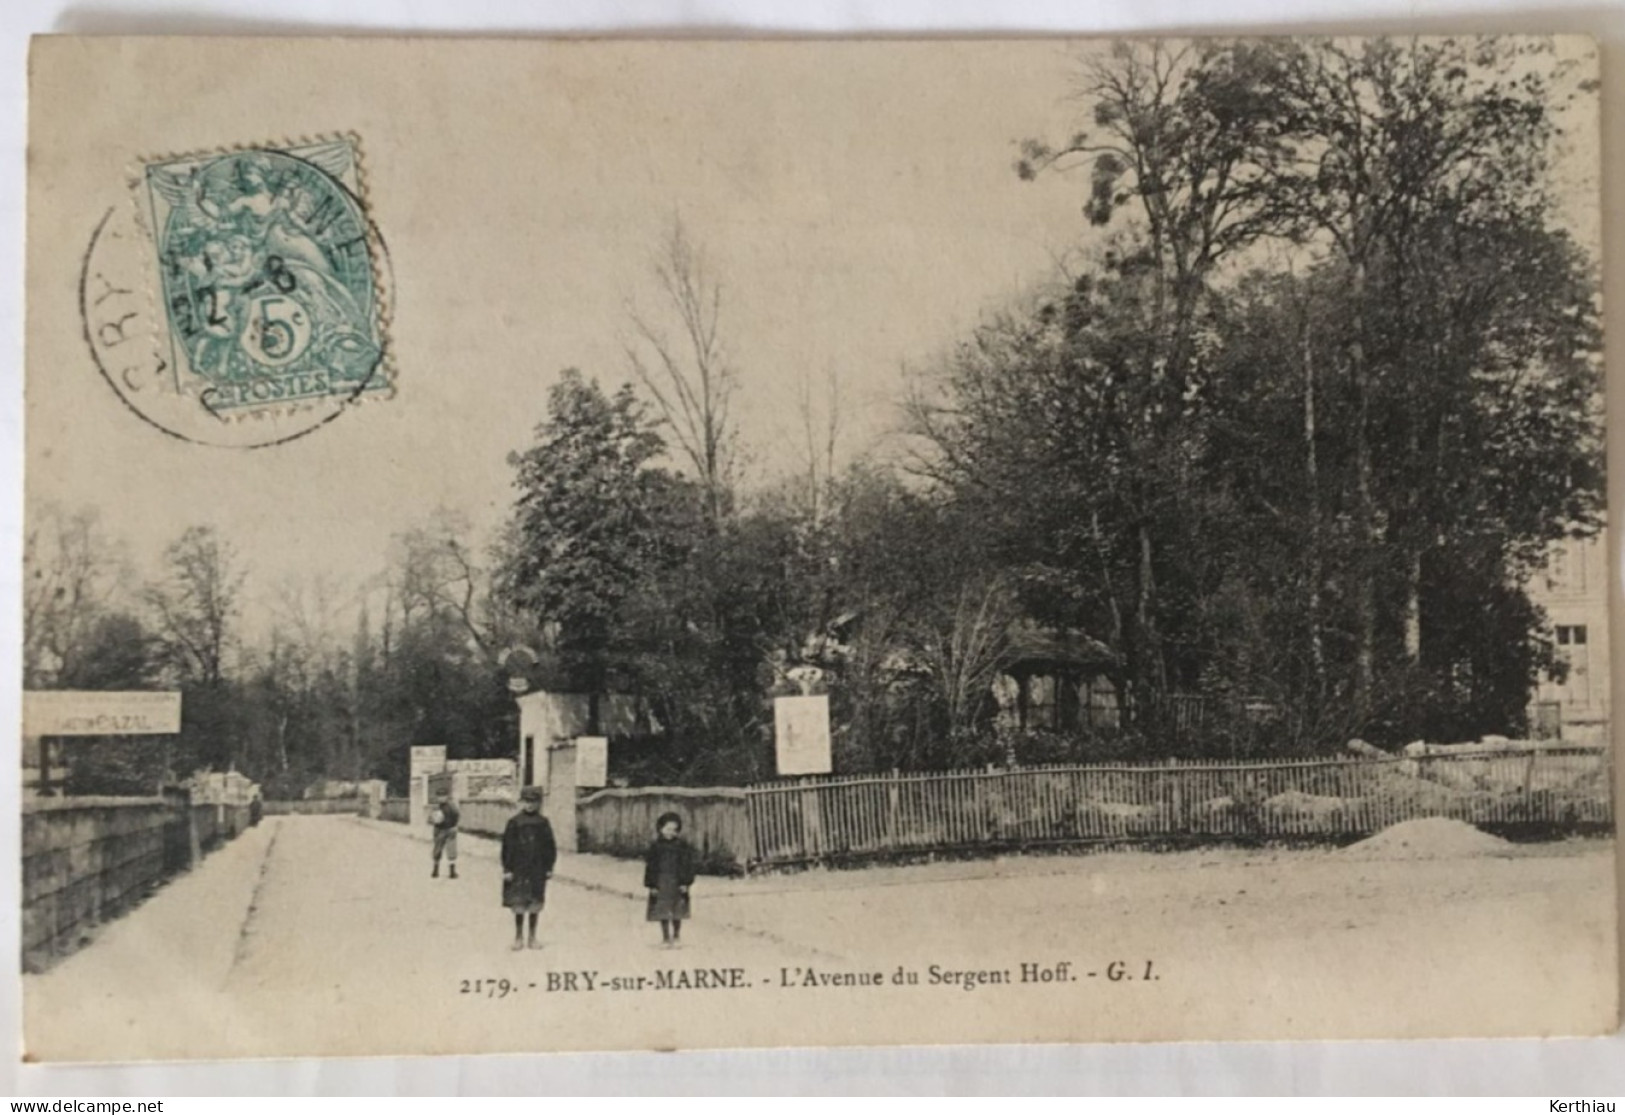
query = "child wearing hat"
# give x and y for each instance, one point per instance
(668, 872)
(528, 856)
(444, 819)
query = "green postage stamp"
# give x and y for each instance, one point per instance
(270, 292)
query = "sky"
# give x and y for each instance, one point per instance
(856, 200)
(857, 203)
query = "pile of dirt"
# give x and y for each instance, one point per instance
(1427, 838)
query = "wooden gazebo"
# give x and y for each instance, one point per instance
(1057, 679)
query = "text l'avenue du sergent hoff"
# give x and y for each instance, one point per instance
(815, 977)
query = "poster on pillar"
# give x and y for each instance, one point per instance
(427, 760)
(801, 735)
(592, 762)
(424, 762)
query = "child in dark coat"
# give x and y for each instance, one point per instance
(529, 854)
(668, 872)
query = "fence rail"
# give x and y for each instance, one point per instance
(852, 816)
(1551, 788)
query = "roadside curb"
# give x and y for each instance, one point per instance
(245, 929)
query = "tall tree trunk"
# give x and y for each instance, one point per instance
(1144, 615)
(1365, 597)
(1413, 605)
(1411, 609)
(1411, 372)
(1311, 465)
(1104, 557)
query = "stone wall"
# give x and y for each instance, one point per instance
(87, 859)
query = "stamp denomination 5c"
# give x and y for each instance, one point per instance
(248, 283)
(268, 286)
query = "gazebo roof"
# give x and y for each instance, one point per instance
(1033, 645)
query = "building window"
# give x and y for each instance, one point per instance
(1566, 569)
(1572, 649)
(1571, 635)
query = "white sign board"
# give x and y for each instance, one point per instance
(427, 760)
(802, 734)
(481, 766)
(592, 762)
(78, 712)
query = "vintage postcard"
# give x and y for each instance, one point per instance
(633, 545)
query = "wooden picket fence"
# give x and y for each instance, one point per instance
(836, 817)
(716, 821)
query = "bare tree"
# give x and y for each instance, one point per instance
(436, 573)
(821, 434)
(686, 370)
(197, 601)
(966, 644)
(309, 610)
(71, 572)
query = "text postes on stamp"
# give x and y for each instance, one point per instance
(261, 280)
(267, 279)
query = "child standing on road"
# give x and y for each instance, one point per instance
(668, 872)
(528, 856)
(445, 818)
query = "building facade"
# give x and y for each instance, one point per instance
(1573, 590)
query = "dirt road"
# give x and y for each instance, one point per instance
(320, 935)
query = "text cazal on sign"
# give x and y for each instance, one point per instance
(78, 712)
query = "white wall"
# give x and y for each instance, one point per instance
(1574, 592)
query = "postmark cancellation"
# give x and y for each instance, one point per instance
(266, 284)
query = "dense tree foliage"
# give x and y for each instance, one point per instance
(1294, 483)
(1288, 444)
